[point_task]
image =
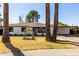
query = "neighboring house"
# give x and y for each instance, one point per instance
(38, 28)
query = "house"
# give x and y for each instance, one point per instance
(38, 28)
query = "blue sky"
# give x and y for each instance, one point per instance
(68, 13)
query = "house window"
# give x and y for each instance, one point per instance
(11, 29)
(23, 29)
(41, 30)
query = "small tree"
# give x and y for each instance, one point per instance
(33, 35)
(25, 34)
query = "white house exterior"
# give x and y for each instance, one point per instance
(17, 31)
(17, 28)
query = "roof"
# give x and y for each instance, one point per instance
(28, 25)
(31, 25)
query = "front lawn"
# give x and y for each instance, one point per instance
(38, 43)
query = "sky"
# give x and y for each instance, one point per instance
(68, 12)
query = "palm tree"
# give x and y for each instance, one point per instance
(48, 21)
(5, 37)
(55, 22)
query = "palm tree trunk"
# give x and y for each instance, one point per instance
(48, 35)
(55, 22)
(5, 37)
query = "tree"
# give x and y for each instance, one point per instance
(55, 21)
(37, 16)
(6, 37)
(0, 18)
(32, 16)
(25, 34)
(48, 21)
(0, 6)
(33, 35)
(28, 17)
(20, 19)
(0, 14)
(60, 23)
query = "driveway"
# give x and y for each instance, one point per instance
(69, 38)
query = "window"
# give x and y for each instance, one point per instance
(41, 30)
(11, 29)
(23, 29)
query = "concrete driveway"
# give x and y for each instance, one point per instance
(69, 38)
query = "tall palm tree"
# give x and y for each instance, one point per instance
(48, 21)
(5, 37)
(55, 22)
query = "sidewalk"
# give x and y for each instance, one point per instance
(49, 52)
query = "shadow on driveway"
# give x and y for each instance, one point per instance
(67, 42)
(71, 36)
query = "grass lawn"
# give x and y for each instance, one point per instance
(38, 43)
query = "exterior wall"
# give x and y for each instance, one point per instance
(51, 31)
(16, 30)
(61, 30)
(0, 23)
(64, 30)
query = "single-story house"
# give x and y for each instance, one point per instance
(38, 28)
